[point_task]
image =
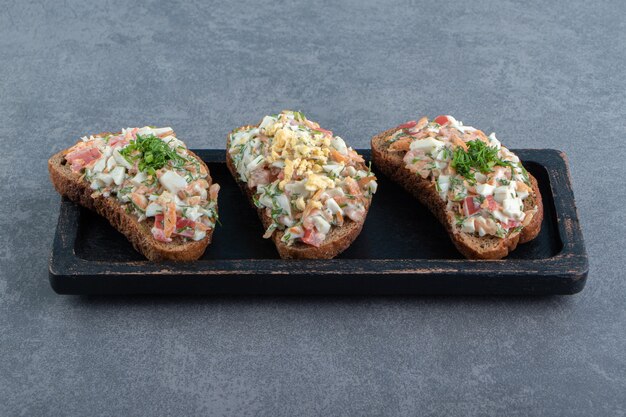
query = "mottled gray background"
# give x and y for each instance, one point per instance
(543, 74)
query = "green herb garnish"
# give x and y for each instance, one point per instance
(299, 116)
(478, 157)
(151, 152)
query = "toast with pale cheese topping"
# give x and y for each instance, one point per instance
(311, 191)
(474, 186)
(147, 184)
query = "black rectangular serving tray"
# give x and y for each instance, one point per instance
(401, 250)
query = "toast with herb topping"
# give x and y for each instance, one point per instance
(149, 187)
(311, 191)
(474, 186)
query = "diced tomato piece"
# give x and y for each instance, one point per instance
(312, 237)
(186, 233)
(442, 120)
(512, 224)
(408, 125)
(470, 206)
(158, 221)
(180, 223)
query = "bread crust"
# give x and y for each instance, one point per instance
(336, 241)
(391, 164)
(69, 184)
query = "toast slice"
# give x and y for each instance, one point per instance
(390, 161)
(338, 238)
(72, 183)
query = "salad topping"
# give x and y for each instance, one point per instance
(484, 184)
(305, 178)
(152, 175)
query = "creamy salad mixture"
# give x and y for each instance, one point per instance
(305, 178)
(483, 183)
(151, 173)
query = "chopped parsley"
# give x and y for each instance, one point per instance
(125, 190)
(478, 157)
(151, 152)
(455, 182)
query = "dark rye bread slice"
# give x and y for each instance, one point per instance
(337, 240)
(70, 185)
(391, 163)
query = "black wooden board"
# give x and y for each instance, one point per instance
(401, 250)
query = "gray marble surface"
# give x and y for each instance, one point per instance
(542, 74)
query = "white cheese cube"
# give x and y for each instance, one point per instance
(494, 141)
(500, 216)
(121, 160)
(153, 209)
(480, 177)
(512, 207)
(173, 182)
(502, 192)
(333, 206)
(297, 188)
(111, 163)
(321, 225)
(138, 179)
(255, 163)
(444, 184)
(158, 131)
(100, 165)
(173, 142)
(339, 145)
(96, 184)
(373, 185)
(335, 169)
(427, 145)
(335, 192)
(118, 174)
(267, 121)
(106, 179)
(284, 204)
(485, 189)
